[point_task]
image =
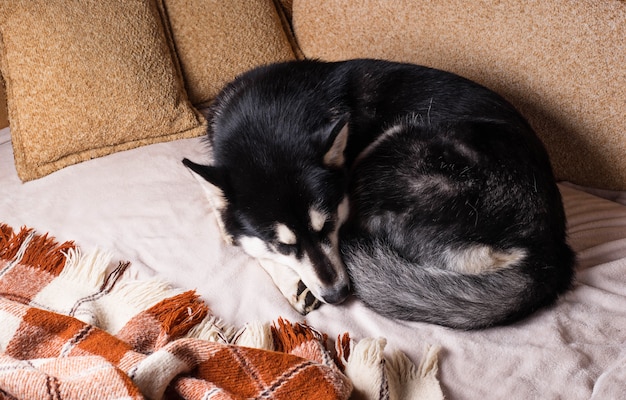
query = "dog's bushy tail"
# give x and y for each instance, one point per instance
(397, 288)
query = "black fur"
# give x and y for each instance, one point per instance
(435, 166)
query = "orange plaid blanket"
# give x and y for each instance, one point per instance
(76, 326)
(58, 341)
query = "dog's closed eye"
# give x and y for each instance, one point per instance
(286, 249)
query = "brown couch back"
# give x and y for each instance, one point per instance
(561, 62)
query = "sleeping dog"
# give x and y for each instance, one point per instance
(427, 195)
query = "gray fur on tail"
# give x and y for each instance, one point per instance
(398, 288)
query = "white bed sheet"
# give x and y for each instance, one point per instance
(144, 206)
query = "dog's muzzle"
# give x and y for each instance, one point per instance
(331, 283)
(336, 296)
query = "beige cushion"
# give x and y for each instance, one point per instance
(4, 117)
(217, 40)
(561, 62)
(87, 79)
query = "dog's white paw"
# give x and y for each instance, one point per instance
(304, 302)
(290, 285)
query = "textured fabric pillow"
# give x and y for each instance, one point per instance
(561, 62)
(87, 78)
(217, 40)
(4, 118)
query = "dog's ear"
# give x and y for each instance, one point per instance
(217, 178)
(335, 143)
(214, 191)
(213, 175)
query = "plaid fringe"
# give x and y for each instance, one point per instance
(38, 251)
(76, 326)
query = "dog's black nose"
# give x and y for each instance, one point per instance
(338, 296)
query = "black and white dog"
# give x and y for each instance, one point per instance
(427, 194)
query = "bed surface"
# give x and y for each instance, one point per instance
(144, 206)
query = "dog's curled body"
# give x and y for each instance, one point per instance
(454, 214)
(473, 227)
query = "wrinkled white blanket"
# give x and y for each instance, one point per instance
(145, 207)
